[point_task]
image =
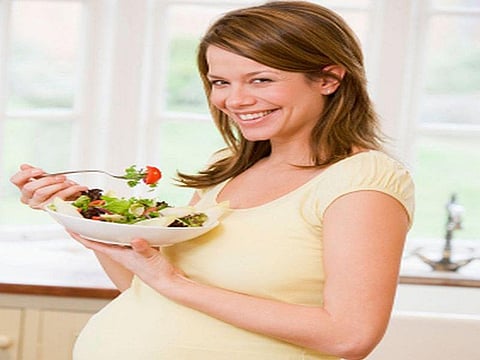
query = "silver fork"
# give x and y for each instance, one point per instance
(83, 171)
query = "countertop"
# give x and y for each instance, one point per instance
(62, 267)
(58, 267)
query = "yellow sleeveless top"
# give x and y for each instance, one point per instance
(273, 251)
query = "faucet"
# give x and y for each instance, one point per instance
(454, 222)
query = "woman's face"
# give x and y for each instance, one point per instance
(266, 103)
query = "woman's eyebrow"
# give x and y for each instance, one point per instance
(250, 74)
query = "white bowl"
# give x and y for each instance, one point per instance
(123, 234)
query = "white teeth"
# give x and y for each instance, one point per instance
(254, 116)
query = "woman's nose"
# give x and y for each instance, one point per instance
(239, 96)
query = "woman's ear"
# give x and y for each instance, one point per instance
(332, 78)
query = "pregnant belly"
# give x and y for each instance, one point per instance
(141, 324)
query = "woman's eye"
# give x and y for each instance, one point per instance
(218, 82)
(261, 80)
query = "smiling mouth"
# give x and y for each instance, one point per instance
(254, 116)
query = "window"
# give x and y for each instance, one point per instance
(105, 84)
(447, 126)
(41, 66)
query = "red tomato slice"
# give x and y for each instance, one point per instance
(149, 210)
(152, 175)
(98, 202)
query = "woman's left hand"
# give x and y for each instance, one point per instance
(140, 258)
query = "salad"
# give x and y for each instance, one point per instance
(93, 204)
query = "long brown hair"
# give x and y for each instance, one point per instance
(293, 36)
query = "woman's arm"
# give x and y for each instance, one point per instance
(120, 276)
(364, 237)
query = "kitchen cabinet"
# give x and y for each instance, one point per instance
(36, 327)
(10, 328)
(51, 334)
(49, 288)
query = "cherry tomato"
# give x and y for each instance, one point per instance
(152, 175)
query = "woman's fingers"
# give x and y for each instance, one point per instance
(25, 175)
(93, 245)
(37, 191)
(141, 247)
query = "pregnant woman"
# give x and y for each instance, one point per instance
(305, 263)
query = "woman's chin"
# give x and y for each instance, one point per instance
(256, 138)
(255, 135)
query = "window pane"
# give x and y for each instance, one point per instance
(43, 54)
(185, 146)
(446, 166)
(452, 86)
(35, 142)
(184, 90)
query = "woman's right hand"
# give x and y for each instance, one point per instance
(37, 192)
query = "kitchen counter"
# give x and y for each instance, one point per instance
(61, 267)
(57, 267)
